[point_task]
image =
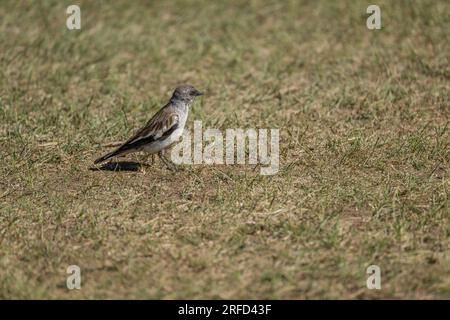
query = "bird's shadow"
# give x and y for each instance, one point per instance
(120, 166)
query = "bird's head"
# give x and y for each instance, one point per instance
(185, 93)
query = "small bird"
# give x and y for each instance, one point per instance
(162, 130)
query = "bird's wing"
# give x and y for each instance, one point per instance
(161, 125)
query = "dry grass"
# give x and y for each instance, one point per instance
(364, 175)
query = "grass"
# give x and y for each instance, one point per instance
(364, 164)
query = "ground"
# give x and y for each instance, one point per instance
(364, 150)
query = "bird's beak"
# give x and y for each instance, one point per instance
(199, 93)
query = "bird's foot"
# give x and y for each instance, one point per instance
(169, 164)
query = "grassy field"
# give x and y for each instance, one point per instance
(364, 150)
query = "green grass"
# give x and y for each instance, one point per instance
(364, 165)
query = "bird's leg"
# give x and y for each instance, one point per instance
(169, 164)
(172, 165)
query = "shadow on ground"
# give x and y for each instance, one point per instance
(120, 166)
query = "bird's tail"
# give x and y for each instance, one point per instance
(107, 156)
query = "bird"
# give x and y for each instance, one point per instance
(162, 130)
